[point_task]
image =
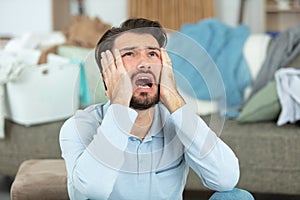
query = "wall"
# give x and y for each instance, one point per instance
(228, 12)
(254, 15)
(113, 12)
(19, 16)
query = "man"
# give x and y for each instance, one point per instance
(141, 143)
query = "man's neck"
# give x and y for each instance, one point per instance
(143, 122)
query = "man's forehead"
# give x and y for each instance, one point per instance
(133, 40)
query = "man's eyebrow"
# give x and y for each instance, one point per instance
(128, 48)
(153, 48)
(147, 47)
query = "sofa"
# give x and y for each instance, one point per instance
(268, 154)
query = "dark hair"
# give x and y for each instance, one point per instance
(135, 25)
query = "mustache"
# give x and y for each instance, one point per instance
(144, 72)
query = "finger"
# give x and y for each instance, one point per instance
(104, 62)
(105, 76)
(119, 62)
(111, 61)
(105, 69)
(166, 61)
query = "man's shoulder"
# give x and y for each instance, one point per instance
(92, 112)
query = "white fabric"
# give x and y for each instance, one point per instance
(200, 107)
(255, 51)
(35, 41)
(288, 82)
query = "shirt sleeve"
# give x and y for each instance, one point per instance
(213, 161)
(93, 150)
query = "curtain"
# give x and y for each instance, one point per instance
(172, 13)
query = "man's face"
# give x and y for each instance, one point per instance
(142, 60)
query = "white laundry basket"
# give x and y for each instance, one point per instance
(43, 93)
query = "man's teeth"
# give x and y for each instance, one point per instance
(143, 86)
(144, 82)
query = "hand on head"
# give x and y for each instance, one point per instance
(117, 81)
(169, 95)
(119, 84)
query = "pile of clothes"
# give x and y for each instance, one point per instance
(39, 49)
(216, 62)
(282, 66)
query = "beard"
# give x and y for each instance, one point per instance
(143, 101)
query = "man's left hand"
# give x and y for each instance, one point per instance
(169, 95)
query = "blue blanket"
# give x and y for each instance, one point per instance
(208, 58)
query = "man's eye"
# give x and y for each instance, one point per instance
(153, 53)
(127, 54)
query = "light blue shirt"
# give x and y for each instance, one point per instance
(105, 161)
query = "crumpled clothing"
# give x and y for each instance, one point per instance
(288, 82)
(281, 52)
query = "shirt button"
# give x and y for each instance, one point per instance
(132, 138)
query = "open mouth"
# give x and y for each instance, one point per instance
(144, 82)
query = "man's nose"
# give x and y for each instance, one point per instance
(144, 63)
(144, 66)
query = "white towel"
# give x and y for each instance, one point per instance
(255, 51)
(288, 82)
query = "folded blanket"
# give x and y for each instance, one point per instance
(208, 55)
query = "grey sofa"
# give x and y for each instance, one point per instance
(269, 155)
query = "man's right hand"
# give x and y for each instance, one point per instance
(118, 83)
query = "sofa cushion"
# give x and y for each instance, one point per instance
(40, 179)
(262, 106)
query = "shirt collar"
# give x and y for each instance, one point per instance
(161, 116)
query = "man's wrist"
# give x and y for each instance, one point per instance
(120, 101)
(175, 103)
